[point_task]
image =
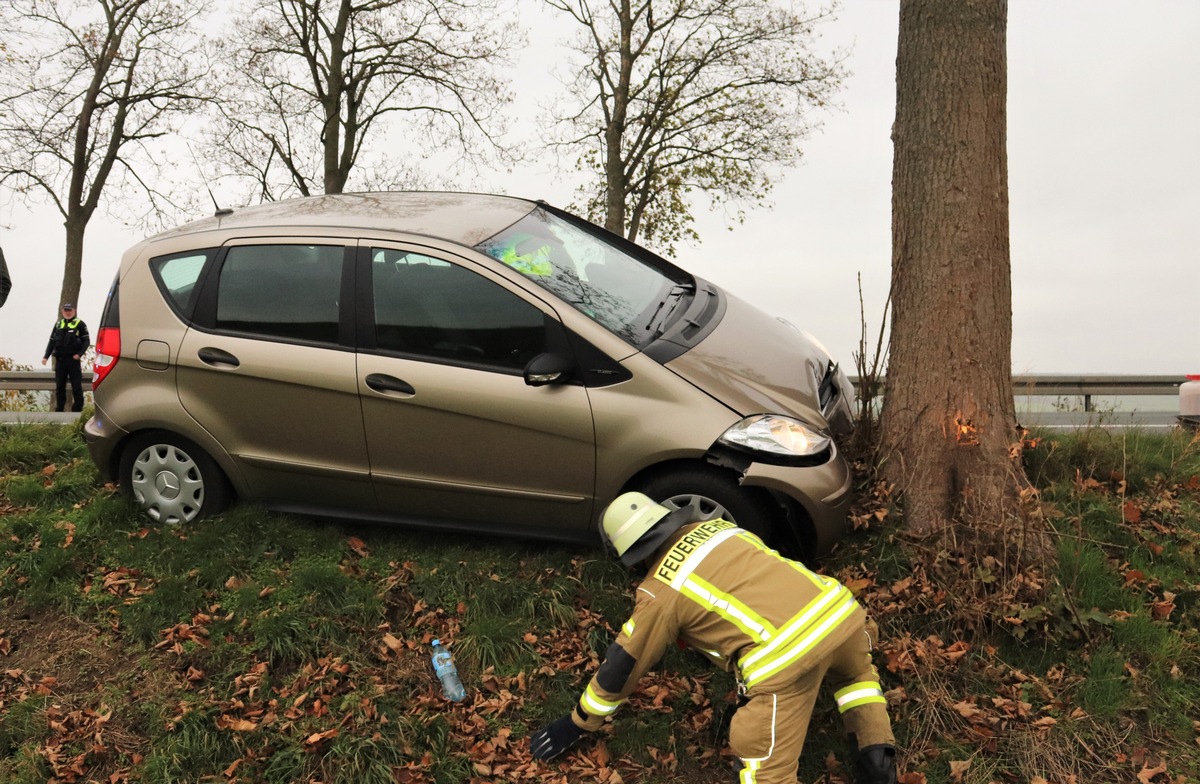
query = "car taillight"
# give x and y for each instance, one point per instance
(108, 351)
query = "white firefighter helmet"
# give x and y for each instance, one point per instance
(629, 520)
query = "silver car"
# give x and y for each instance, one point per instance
(456, 361)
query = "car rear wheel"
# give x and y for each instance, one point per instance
(172, 479)
(717, 494)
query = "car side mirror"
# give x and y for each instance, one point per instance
(546, 369)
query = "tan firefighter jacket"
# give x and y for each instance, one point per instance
(722, 591)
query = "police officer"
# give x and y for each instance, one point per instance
(779, 627)
(68, 342)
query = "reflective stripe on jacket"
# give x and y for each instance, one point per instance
(722, 591)
(68, 338)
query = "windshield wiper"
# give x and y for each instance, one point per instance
(658, 323)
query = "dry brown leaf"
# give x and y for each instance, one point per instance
(227, 722)
(1161, 611)
(968, 710)
(318, 738)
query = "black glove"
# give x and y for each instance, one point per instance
(555, 738)
(875, 765)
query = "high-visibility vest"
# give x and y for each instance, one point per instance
(721, 590)
(779, 636)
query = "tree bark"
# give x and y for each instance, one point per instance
(616, 182)
(949, 423)
(73, 268)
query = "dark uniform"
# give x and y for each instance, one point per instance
(68, 342)
(780, 628)
(5, 280)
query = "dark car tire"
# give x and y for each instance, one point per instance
(719, 495)
(172, 479)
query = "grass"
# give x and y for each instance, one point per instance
(269, 648)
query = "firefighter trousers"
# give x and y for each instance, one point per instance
(767, 733)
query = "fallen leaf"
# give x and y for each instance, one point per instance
(227, 722)
(318, 738)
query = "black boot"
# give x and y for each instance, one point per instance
(875, 765)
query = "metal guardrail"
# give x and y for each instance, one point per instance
(34, 380)
(1033, 385)
(1087, 387)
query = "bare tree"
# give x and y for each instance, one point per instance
(92, 87)
(323, 92)
(949, 429)
(675, 98)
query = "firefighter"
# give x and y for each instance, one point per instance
(778, 627)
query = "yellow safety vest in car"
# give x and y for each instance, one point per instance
(536, 263)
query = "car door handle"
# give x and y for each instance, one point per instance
(382, 383)
(215, 356)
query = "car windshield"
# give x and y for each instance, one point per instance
(629, 296)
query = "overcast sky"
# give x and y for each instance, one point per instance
(1104, 172)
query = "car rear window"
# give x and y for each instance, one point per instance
(177, 276)
(281, 291)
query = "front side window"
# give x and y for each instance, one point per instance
(597, 277)
(281, 291)
(433, 309)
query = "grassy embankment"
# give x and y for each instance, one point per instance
(259, 647)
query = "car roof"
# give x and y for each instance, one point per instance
(466, 218)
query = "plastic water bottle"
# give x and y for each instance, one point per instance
(443, 665)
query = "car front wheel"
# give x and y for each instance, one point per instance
(172, 479)
(716, 493)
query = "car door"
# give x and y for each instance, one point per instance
(453, 431)
(271, 372)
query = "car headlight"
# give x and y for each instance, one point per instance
(776, 435)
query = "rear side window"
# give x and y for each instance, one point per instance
(177, 276)
(430, 308)
(281, 291)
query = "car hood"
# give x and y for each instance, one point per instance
(756, 363)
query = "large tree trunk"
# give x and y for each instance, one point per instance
(617, 184)
(76, 226)
(949, 423)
